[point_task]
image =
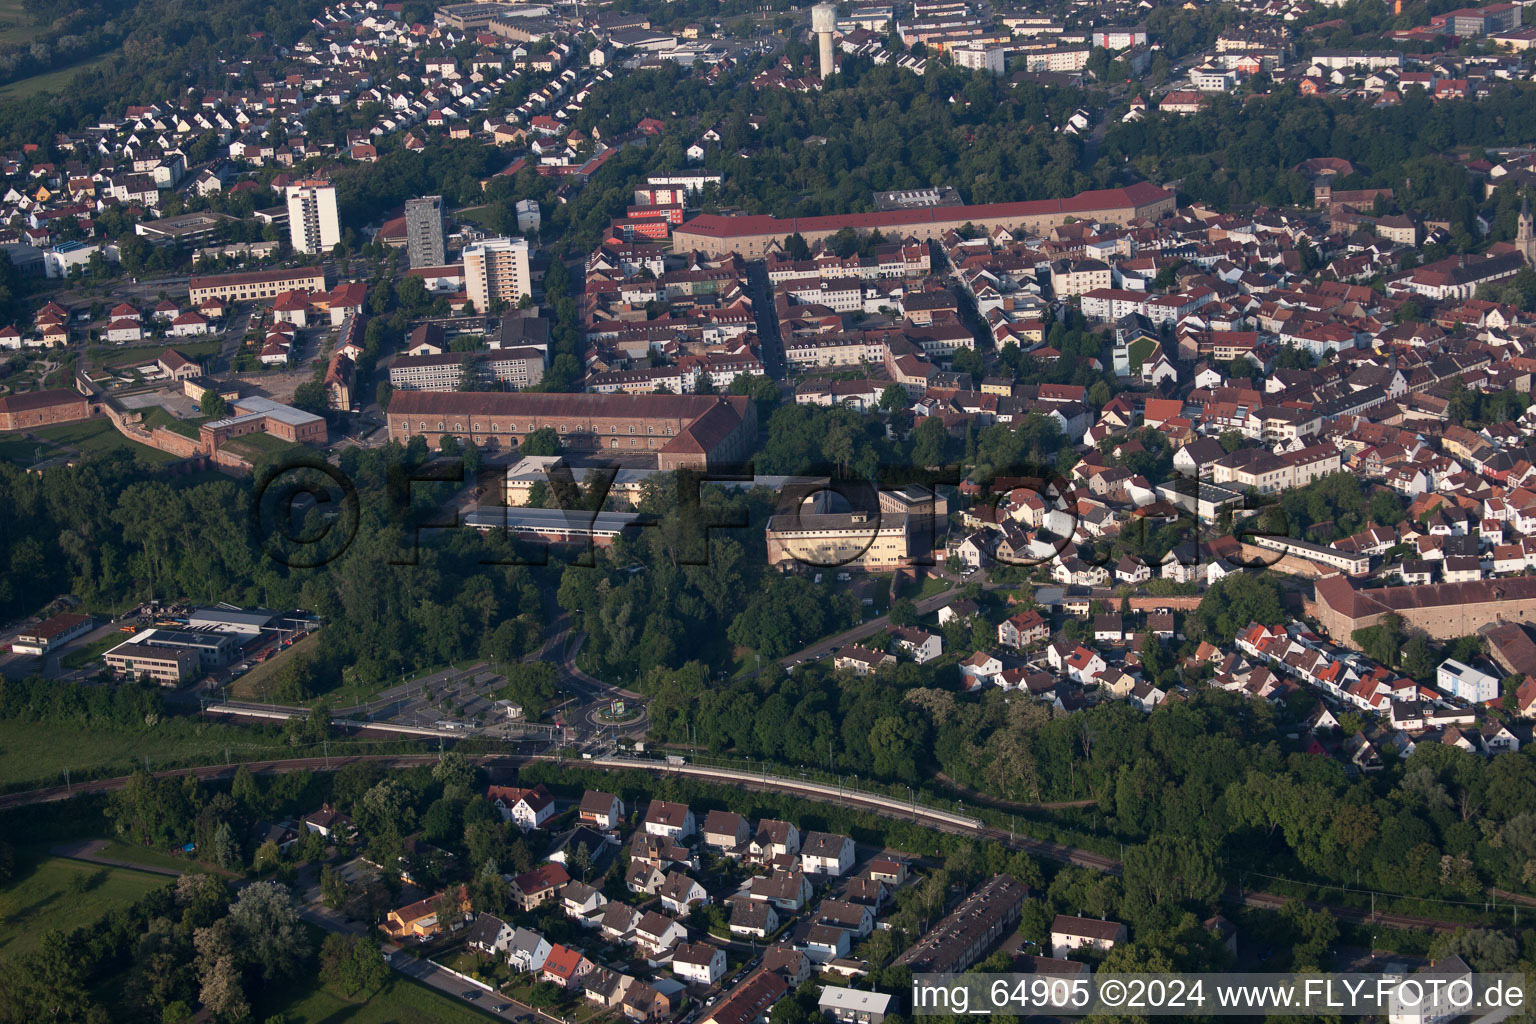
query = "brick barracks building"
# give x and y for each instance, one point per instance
(1443, 610)
(32, 409)
(680, 430)
(716, 235)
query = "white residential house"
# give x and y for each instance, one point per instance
(1464, 681)
(656, 933)
(1023, 629)
(786, 890)
(1084, 666)
(921, 644)
(679, 893)
(527, 808)
(824, 853)
(774, 838)
(602, 810)
(582, 903)
(699, 962)
(823, 943)
(756, 918)
(980, 669)
(527, 951)
(1071, 933)
(671, 820)
(855, 918)
(490, 935)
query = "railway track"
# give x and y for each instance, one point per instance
(890, 807)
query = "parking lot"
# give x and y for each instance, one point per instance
(448, 699)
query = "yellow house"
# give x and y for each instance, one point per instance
(419, 920)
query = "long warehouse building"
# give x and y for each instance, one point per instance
(692, 431)
(716, 235)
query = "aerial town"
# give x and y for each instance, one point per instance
(716, 512)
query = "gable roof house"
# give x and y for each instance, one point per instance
(725, 832)
(490, 935)
(528, 950)
(603, 810)
(824, 853)
(656, 933)
(1070, 933)
(679, 893)
(754, 917)
(527, 808)
(774, 838)
(565, 967)
(672, 820)
(537, 887)
(786, 890)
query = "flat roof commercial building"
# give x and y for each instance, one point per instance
(444, 371)
(187, 229)
(838, 539)
(162, 656)
(557, 525)
(233, 620)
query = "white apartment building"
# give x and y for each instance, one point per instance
(312, 223)
(497, 269)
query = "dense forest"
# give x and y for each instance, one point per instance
(880, 128)
(1240, 151)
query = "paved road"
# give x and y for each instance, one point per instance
(761, 290)
(428, 973)
(90, 850)
(229, 345)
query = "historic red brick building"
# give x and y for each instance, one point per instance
(42, 409)
(681, 430)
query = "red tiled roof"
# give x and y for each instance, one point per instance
(718, 226)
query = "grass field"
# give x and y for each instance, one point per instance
(16, 25)
(400, 1001)
(254, 446)
(54, 892)
(84, 655)
(33, 755)
(99, 436)
(15, 448)
(157, 416)
(52, 81)
(255, 683)
(138, 355)
(133, 853)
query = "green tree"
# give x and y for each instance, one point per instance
(213, 405)
(352, 964)
(894, 398)
(310, 396)
(1418, 659)
(271, 936)
(544, 441)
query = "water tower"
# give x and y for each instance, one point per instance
(824, 23)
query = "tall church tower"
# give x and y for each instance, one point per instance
(1525, 232)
